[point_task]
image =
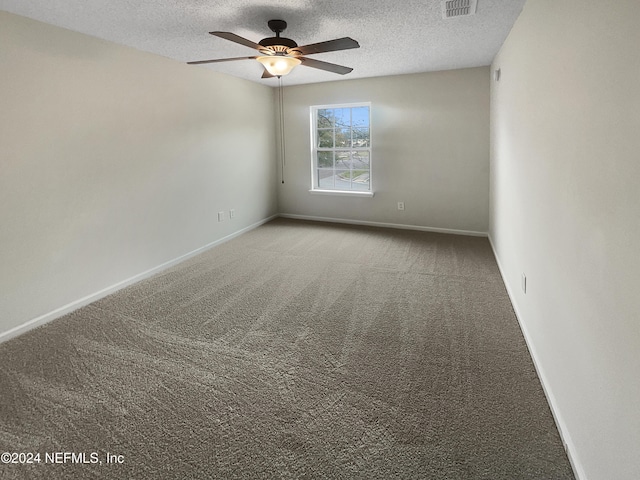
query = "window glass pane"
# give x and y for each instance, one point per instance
(360, 178)
(325, 118)
(342, 117)
(361, 184)
(343, 137)
(343, 179)
(325, 159)
(343, 160)
(360, 159)
(361, 137)
(325, 179)
(360, 116)
(325, 138)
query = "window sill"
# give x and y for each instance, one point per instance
(341, 193)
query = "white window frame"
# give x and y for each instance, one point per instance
(315, 189)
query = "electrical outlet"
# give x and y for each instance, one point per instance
(524, 283)
(221, 216)
(232, 213)
(400, 205)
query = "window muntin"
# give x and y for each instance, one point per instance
(341, 154)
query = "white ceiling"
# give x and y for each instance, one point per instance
(395, 36)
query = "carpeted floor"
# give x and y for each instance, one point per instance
(298, 350)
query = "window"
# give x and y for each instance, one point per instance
(341, 153)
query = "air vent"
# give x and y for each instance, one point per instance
(458, 8)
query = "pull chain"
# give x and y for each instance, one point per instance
(281, 108)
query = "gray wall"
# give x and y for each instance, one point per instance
(430, 136)
(565, 210)
(114, 161)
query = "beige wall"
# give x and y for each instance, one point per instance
(430, 137)
(565, 209)
(114, 161)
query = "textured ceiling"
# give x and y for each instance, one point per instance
(395, 36)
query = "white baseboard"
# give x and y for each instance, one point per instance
(385, 225)
(569, 446)
(70, 307)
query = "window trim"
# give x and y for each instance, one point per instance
(313, 109)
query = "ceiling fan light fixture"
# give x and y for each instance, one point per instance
(278, 65)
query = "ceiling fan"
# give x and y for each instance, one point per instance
(280, 55)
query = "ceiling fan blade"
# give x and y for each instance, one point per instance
(266, 74)
(329, 67)
(344, 43)
(238, 39)
(198, 62)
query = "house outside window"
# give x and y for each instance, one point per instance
(341, 149)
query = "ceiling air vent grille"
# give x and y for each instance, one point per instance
(458, 8)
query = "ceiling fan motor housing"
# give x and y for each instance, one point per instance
(277, 41)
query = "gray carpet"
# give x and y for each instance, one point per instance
(298, 350)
